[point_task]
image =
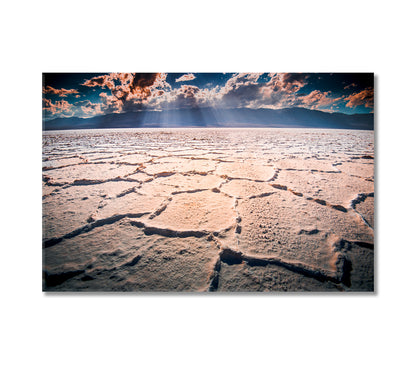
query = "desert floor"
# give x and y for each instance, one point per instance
(208, 210)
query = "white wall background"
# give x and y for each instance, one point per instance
(208, 333)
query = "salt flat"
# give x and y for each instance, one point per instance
(210, 209)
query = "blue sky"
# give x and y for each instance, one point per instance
(90, 94)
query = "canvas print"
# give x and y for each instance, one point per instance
(208, 182)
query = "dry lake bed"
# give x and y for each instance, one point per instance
(215, 210)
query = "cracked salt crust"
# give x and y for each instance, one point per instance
(179, 165)
(336, 188)
(295, 229)
(202, 210)
(85, 171)
(246, 170)
(208, 210)
(241, 188)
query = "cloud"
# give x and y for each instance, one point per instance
(150, 90)
(86, 108)
(186, 96)
(241, 79)
(100, 81)
(62, 108)
(287, 82)
(59, 108)
(60, 92)
(125, 92)
(139, 87)
(281, 90)
(240, 90)
(132, 90)
(352, 85)
(110, 104)
(365, 97)
(186, 77)
(124, 84)
(248, 90)
(143, 90)
(244, 90)
(193, 96)
(123, 78)
(318, 99)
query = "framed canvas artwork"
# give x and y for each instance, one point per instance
(208, 182)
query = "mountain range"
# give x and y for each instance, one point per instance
(210, 117)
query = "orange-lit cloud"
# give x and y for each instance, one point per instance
(59, 107)
(352, 85)
(60, 92)
(129, 88)
(110, 104)
(125, 92)
(86, 108)
(245, 90)
(186, 77)
(317, 99)
(287, 82)
(100, 81)
(365, 97)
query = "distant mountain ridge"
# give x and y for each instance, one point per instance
(210, 117)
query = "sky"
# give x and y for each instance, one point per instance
(86, 95)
